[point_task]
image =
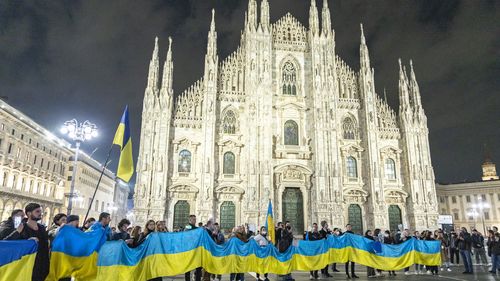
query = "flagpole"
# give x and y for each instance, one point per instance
(98, 182)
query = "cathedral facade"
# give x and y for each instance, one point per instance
(284, 118)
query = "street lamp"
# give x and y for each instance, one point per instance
(78, 132)
(481, 206)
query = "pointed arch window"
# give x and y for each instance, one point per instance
(349, 128)
(289, 79)
(229, 163)
(390, 169)
(229, 122)
(352, 167)
(184, 161)
(291, 132)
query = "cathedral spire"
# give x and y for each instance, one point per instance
(415, 91)
(154, 69)
(252, 15)
(313, 18)
(404, 99)
(212, 40)
(168, 67)
(264, 15)
(363, 52)
(326, 27)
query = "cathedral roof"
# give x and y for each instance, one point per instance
(289, 34)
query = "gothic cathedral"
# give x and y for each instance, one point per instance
(285, 119)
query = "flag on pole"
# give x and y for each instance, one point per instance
(122, 138)
(270, 223)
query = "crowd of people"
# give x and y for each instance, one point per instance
(455, 245)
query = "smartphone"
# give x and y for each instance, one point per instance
(17, 221)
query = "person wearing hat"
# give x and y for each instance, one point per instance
(73, 220)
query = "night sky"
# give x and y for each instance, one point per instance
(86, 59)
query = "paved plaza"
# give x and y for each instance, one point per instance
(480, 273)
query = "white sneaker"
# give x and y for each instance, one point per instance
(449, 269)
(442, 269)
(407, 273)
(311, 277)
(429, 272)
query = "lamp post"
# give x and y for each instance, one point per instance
(78, 132)
(481, 206)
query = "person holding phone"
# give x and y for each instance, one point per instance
(8, 226)
(32, 230)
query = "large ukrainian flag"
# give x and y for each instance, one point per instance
(170, 254)
(17, 259)
(123, 139)
(270, 222)
(74, 253)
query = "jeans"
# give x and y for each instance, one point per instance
(466, 257)
(495, 262)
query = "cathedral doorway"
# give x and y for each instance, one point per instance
(293, 209)
(394, 217)
(227, 216)
(181, 214)
(355, 218)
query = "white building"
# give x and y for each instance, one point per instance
(33, 163)
(473, 204)
(284, 118)
(87, 175)
(36, 166)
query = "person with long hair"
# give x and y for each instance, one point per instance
(136, 231)
(149, 228)
(445, 249)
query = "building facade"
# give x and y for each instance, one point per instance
(473, 204)
(285, 119)
(87, 175)
(36, 166)
(33, 163)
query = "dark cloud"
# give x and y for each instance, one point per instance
(86, 59)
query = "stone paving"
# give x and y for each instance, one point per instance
(480, 273)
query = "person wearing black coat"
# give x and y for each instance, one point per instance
(370, 270)
(324, 232)
(464, 244)
(353, 275)
(31, 230)
(285, 242)
(313, 235)
(8, 226)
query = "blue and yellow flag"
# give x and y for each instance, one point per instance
(270, 223)
(122, 138)
(17, 259)
(74, 253)
(171, 254)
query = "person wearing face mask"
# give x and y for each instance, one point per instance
(262, 240)
(32, 230)
(8, 226)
